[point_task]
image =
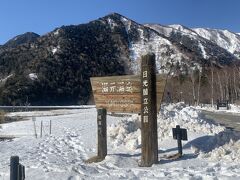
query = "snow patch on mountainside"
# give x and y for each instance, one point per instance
(55, 49)
(3, 80)
(182, 29)
(160, 47)
(151, 42)
(126, 23)
(165, 30)
(33, 76)
(56, 32)
(205, 56)
(111, 23)
(223, 38)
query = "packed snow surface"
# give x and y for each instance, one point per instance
(211, 152)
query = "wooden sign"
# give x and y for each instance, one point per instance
(131, 94)
(122, 94)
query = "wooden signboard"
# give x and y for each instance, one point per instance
(122, 94)
(131, 94)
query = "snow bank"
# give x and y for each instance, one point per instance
(233, 108)
(127, 132)
(216, 142)
(224, 146)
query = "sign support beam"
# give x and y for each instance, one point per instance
(149, 111)
(102, 136)
(102, 133)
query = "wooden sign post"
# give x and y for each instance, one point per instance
(131, 94)
(102, 136)
(149, 112)
(102, 133)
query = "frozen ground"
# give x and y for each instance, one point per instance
(211, 152)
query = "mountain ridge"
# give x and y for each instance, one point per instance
(54, 69)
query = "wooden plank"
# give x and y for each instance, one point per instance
(118, 101)
(148, 112)
(122, 93)
(120, 109)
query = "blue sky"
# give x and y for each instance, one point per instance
(42, 16)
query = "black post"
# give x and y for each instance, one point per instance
(148, 112)
(14, 163)
(102, 133)
(21, 172)
(41, 129)
(50, 129)
(179, 139)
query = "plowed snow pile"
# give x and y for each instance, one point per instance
(128, 131)
(211, 152)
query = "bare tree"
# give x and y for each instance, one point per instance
(220, 85)
(211, 83)
(226, 83)
(193, 81)
(199, 85)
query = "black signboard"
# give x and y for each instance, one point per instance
(182, 132)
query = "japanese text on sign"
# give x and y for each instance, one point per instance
(145, 96)
(124, 103)
(117, 87)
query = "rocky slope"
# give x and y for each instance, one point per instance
(21, 39)
(55, 68)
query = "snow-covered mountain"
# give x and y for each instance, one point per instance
(223, 38)
(174, 44)
(205, 47)
(142, 40)
(63, 60)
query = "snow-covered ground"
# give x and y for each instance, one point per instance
(234, 109)
(211, 152)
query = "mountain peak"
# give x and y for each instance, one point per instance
(114, 14)
(117, 16)
(21, 39)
